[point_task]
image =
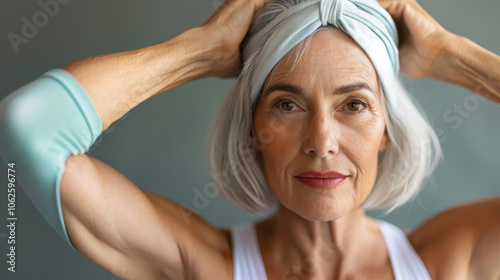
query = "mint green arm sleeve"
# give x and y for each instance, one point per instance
(41, 125)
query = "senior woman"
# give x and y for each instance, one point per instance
(317, 123)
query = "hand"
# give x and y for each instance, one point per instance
(226, 28)
(421, 38)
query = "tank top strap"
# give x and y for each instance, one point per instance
(406, 263)
(247, 258)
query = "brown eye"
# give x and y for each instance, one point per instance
(354, 106)
(286, 106)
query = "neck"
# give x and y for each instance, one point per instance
(325, 248)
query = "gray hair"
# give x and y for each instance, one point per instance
(237, 168)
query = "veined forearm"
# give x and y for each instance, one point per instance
(118, 82)
(471, 66)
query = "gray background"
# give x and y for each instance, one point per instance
(161, 144)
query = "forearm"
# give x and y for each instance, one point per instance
(466, 64)
(116, 83)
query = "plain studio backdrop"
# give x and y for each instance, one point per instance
(161, 144)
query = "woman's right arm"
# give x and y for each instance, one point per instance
(130, 233)
(117, 82)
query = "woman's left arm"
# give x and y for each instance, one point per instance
(427, 50)
(464, 63)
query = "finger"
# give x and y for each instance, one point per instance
(394, 7)
(259, 4)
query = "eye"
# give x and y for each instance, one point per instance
(356, 105)
(285, 105)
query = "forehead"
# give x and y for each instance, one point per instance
(331, 58)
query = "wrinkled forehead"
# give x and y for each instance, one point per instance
(328, 56)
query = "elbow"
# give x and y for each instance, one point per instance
(14, 117)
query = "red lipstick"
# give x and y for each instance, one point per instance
(320, 180)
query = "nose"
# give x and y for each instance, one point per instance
(321, 137)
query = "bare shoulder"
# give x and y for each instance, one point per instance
(462, 242)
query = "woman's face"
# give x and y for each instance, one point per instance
(324, 116)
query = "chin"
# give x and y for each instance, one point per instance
(321, 209)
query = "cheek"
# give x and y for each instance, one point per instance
(278, 140)
(280, 145)
(360, 144)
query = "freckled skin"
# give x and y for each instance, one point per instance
(320, 131)
(315, 234)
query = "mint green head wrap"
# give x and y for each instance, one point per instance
(365, 21)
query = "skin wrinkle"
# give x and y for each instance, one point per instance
(361, 71)
(320, 134)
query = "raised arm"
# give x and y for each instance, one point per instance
(118, 82)
(48, 125)
(471, 232)
(467, 64)
(427, 50)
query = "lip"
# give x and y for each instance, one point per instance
(318, 180)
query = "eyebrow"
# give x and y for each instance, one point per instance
(297, 90)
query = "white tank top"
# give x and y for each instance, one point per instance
(248, 264)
